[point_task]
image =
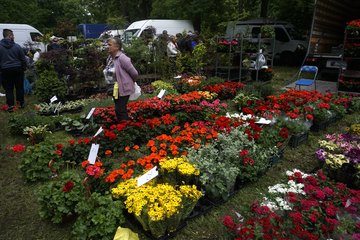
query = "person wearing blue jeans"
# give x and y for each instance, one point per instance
(12, 66)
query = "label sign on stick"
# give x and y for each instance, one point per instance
(53, 99)
(263, 121)
(90, 113)
(93, 153)
(57, 107)
(161, 93)
(147, 176)
(98, 132)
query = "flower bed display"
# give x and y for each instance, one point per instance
(203, 155)
(339, 155)
(307, 206)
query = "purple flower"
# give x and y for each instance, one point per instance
(320, 154)
(354, 155)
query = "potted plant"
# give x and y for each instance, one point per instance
(59, 197)
(98, 217)
(339, 155)
(36, 133)
(159, 208)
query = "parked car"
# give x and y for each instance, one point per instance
(25, 35)
(288, 47)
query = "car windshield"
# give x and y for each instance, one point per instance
(128, 34)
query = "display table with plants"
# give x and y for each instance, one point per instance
(199, 151)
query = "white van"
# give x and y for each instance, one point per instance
(25, 35)
(288, 46)
(138, 29)
(112, 33)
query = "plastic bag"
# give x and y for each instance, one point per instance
(125, 234)
(137, 92)
(27, 87)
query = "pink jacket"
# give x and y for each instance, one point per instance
(125, 73)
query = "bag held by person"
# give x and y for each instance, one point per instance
(137, 92)
(116, 90)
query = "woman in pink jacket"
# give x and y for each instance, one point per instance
(125, 75)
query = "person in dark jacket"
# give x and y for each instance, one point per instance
(12, 66)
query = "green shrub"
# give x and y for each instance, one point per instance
(58, 198)
(18, 122)
(99, 217)
(159, 84)
(260, 89)
(35, 162)
(49, 85)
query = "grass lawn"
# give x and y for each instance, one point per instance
(18, 210)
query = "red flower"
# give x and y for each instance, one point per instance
(57, 152)
(18, 148)
(68, 186)
(59, 146)
(320, 194)
(229, 223)
(284, 133)
(309, 117)
(243, 153)
(297, 217)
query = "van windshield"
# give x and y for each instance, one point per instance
(36, 37)
(294, 34)
(128, 34)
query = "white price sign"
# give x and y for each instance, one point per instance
(53, 99)
(147, 176)
(161, 93)
(93, 153)
(98, 132)
(90, 113)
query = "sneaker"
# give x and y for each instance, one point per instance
(10, 109)
(2, 94)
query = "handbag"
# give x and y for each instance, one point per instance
(137, 92)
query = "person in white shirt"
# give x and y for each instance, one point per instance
(172, 52)
(36, 55)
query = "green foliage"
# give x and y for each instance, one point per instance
(87, 68)
(58, 198)
(220, 162)
(36, 134)
(158, 85)
(99, 217)
(259, 89)
(140, 55)
(267, 31)
(243, 99)
(78, 124)
(212, 81)
(48, 85)
(18, 122)
(192, 62)
(35, 160)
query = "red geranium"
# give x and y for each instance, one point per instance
(69, 185)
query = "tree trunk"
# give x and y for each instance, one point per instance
(264, 8)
